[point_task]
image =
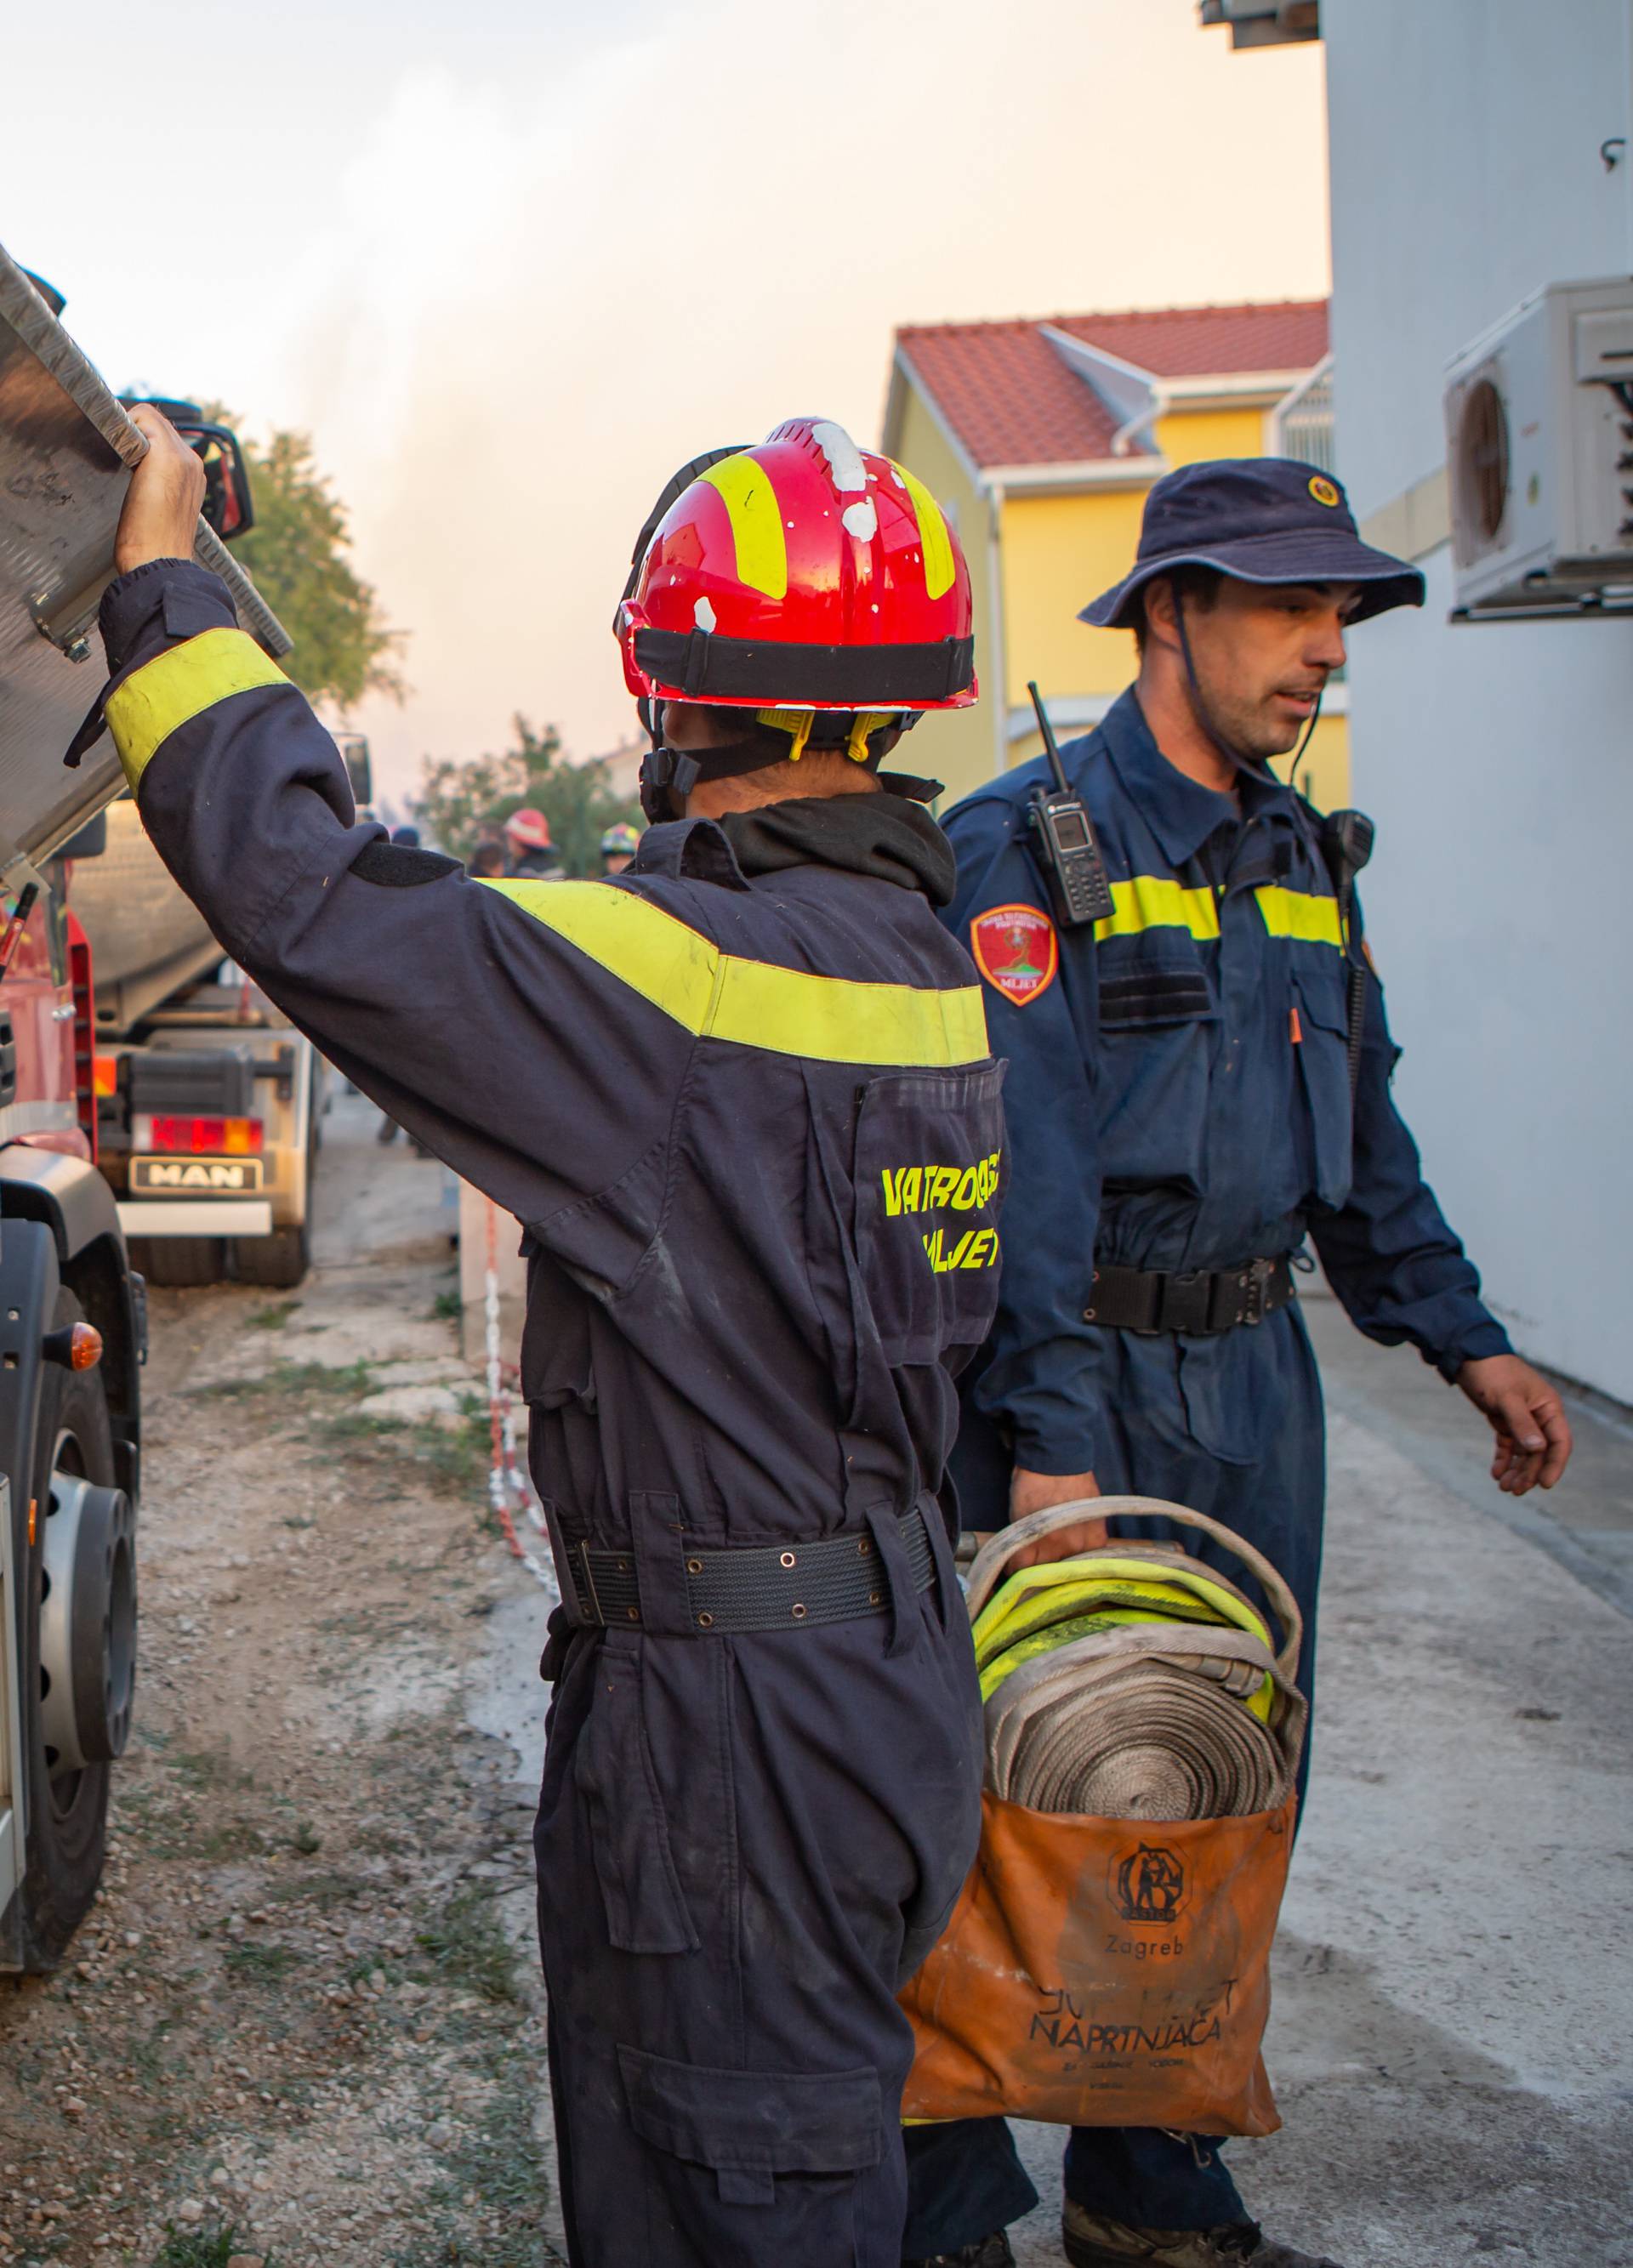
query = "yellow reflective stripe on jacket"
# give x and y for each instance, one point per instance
(1157, 901)
(176, 686)
(1299, 914)
(719, 997)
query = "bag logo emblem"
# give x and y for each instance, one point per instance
(1016, 950)
(1148, 1884)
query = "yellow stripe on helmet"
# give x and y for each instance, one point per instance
(938, 552)
(744, 488)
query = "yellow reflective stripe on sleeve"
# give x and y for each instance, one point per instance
(750, 500)
(1299, 914)
(754, 1004)
(1156, 902)
(175, 686)
(938, 552)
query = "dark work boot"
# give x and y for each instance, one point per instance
(991, 2252)
(1091, 2243)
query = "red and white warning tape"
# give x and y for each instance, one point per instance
(510, 1492)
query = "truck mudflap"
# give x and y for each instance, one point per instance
(66, 448)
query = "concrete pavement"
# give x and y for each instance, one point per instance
(1454, 1998)
(1454, 2002)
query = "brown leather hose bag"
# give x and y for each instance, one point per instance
(1107, 1963)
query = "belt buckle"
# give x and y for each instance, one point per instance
(1183, 1301)
(597, 1613)
(1255, 1281)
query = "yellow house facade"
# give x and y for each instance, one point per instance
(1041, 440)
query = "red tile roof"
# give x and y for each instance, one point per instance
(1012, 401)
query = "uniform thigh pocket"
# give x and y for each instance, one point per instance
(629, 1833)
(790, 2143)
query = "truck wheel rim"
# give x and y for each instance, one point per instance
(88, 1624)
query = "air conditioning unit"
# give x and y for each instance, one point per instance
(1540, 456)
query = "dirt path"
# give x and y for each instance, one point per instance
(302, 2023)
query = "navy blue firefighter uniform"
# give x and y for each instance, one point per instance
(1178, 1101)
(744, 1110)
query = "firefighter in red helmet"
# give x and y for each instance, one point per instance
(531, 855)
(741, 1099)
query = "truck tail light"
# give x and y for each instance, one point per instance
(87, 1063)
(236, 1138)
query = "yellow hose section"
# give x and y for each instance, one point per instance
(1041, 1608)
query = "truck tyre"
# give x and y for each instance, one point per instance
(67, 1811)
(279, 1261)
(179, 1261)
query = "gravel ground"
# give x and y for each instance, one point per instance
(302, 2023)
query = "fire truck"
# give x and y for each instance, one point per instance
(72, 1305)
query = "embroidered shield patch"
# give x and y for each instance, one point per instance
(1017, 951)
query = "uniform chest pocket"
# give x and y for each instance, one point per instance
(929, 1171)
(1157, 1022)
(1159, 985)
(1321, 1003)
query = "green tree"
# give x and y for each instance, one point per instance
(459, 803)
(297, 555)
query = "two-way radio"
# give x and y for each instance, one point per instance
(1063, 838)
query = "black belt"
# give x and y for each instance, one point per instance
(1146, 1299)
(759, 1587)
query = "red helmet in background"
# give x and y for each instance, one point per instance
(805, 573)
(528, 827)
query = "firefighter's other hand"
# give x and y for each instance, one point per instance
(1035, 1492)
(161, 517)
(1526, 1414)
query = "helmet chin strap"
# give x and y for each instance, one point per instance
(668, 775)
(1257, 766)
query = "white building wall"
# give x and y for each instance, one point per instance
(1497, 759)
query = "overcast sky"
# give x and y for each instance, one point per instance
(510, 265)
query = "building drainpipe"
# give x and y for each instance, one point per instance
(995, 674)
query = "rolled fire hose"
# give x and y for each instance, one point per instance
(1132, 1681)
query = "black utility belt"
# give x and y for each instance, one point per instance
(1203, 1302)
(759, 1587)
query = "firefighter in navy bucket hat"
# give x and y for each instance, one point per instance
(1199, 1090)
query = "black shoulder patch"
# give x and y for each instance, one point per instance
(394, 866)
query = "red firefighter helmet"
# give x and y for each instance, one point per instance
(529, 828)
(805, 573)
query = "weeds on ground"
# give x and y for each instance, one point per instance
(289, 1381)
(261, 1964)
(271, 1319)
(465, 1946)
(205, 2248)
(446, 1308)
(208, 1770)
(452, 1459)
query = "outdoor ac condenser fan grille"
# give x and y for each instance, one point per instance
(1483, 469)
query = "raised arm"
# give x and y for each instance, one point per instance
(498, 1024)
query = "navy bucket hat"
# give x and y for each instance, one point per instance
(1264, 519)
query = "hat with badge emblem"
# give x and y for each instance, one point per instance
(1263, 519)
